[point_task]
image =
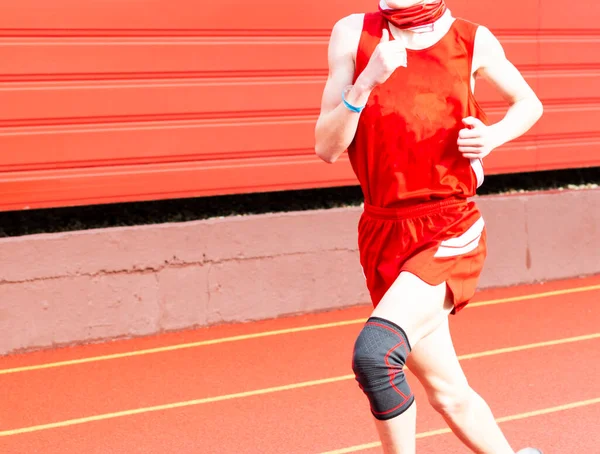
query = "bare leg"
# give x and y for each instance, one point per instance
(422, 311)
(418, 308)
(398, 436)
(435, 364)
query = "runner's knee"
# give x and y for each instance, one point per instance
(380, 353)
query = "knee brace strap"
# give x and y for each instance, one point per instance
(380, 353)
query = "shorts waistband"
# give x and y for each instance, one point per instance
(412, 211)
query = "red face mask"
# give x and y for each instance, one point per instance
(415, 16)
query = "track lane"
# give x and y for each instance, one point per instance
(541, 431)
(303, 417)
(50, 395)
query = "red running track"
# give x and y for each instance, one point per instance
(285, 386)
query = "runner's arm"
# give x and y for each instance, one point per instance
(491, 63)
(336, 126)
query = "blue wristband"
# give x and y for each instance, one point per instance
(350, 106)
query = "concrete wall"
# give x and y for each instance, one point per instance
(84, 286)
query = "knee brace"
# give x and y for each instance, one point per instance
(380, 353)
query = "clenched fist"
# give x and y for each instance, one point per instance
(476, 140)
(388, 56)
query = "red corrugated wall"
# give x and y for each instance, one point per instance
(123, 100)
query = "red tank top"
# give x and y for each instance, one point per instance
(405, 151)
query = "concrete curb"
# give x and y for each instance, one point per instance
(78, 287)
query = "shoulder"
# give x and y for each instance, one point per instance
(487, 48)
(348, 27)
(351, 22)
(345, 35)
(483, 46)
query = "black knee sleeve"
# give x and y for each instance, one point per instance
(380, 353)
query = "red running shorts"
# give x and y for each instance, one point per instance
(439, 242)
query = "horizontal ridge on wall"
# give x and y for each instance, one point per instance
(571, 33)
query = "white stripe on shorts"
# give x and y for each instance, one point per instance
(462, 244)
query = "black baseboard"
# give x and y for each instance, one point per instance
(18, 223)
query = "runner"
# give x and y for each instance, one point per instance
(399, 98)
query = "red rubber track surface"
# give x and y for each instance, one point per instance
(190, 398)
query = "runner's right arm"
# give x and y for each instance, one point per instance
(337, 124)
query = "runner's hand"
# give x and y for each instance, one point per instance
(388, 56)
(476, 140)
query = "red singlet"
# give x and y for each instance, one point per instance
(414, 180)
